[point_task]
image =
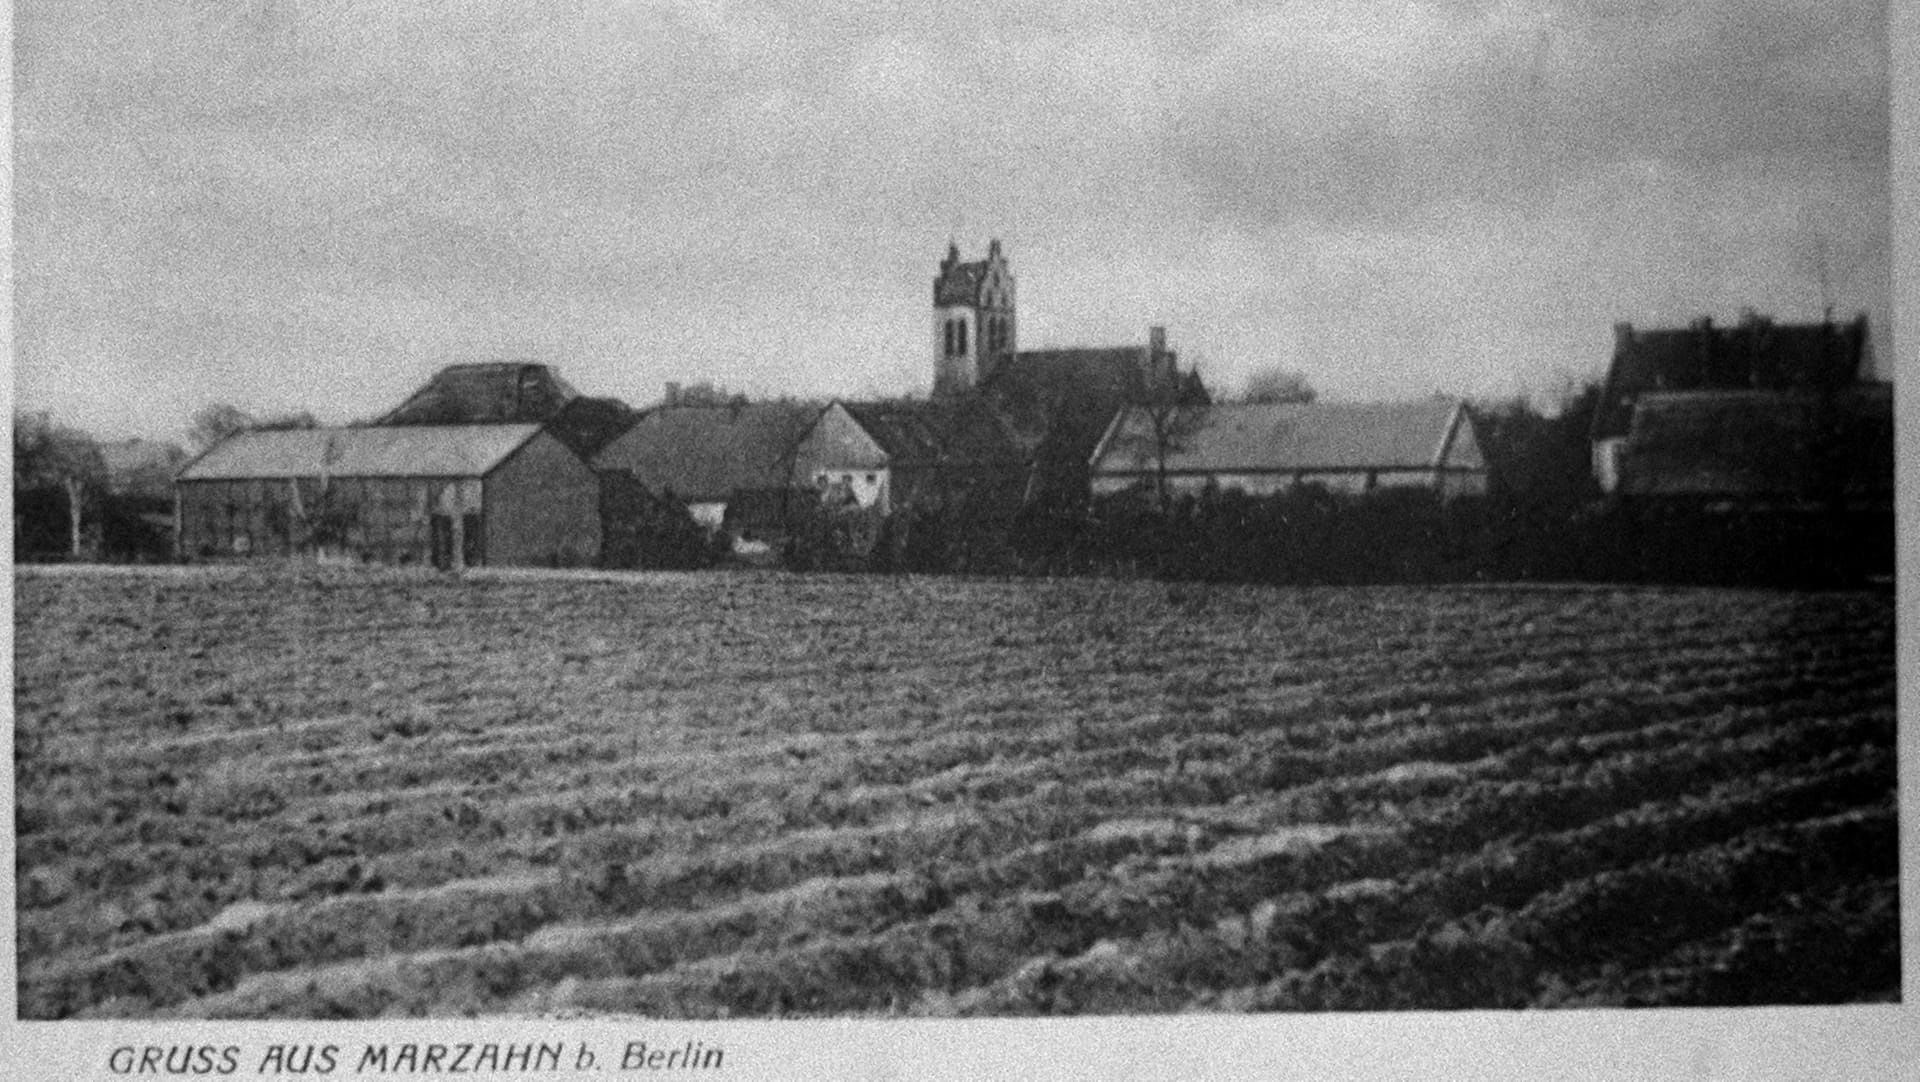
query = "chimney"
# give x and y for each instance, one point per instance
(1622, 335)
(673, 393)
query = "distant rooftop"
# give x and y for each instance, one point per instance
(494, 392)
(1304, 436)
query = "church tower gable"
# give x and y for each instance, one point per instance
(973, 319)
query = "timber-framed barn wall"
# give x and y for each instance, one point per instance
(506, 495)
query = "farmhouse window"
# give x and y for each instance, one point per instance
(961, 326)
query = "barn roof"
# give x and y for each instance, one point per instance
(709, 452)
(1249, 437)
(496, 392)
(1798, 445)
(372, 451)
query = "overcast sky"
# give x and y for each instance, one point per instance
(315, 205)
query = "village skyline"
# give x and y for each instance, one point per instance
(316, 209)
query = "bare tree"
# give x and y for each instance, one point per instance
(45, 454)
(1158, 427)
(1277, 385)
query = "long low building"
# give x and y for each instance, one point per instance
(451, 495)
(1261, 449)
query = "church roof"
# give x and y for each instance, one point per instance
(1047, 375)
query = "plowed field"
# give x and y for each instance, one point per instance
(316, 794)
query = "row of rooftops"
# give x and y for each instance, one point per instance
(1058, 404)
(711, 452)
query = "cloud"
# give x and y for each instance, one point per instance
(1332, 112)
(324, 202)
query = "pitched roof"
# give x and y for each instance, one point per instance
(1756, 353)
(1048, 375)
(501, 392)
(1248, 437)
(709, 452)
(373, 451)
(940, 431)
(1799, 444)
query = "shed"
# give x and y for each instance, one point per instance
(1263, 448)
(500, 494)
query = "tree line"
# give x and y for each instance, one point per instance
(72, 501)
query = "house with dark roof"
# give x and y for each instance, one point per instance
(886, 455)
(715, 458)
(1754, 355)
(1265, 448)
(450, 495)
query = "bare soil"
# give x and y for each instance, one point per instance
(316, 793)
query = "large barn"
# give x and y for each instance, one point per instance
(450, 495)
(1260, 448)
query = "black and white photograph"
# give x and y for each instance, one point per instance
(855, 538)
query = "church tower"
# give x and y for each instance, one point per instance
(973, 322)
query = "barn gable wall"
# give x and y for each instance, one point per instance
(542, 508)
(378, 519)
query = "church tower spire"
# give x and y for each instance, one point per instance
(973, 319)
